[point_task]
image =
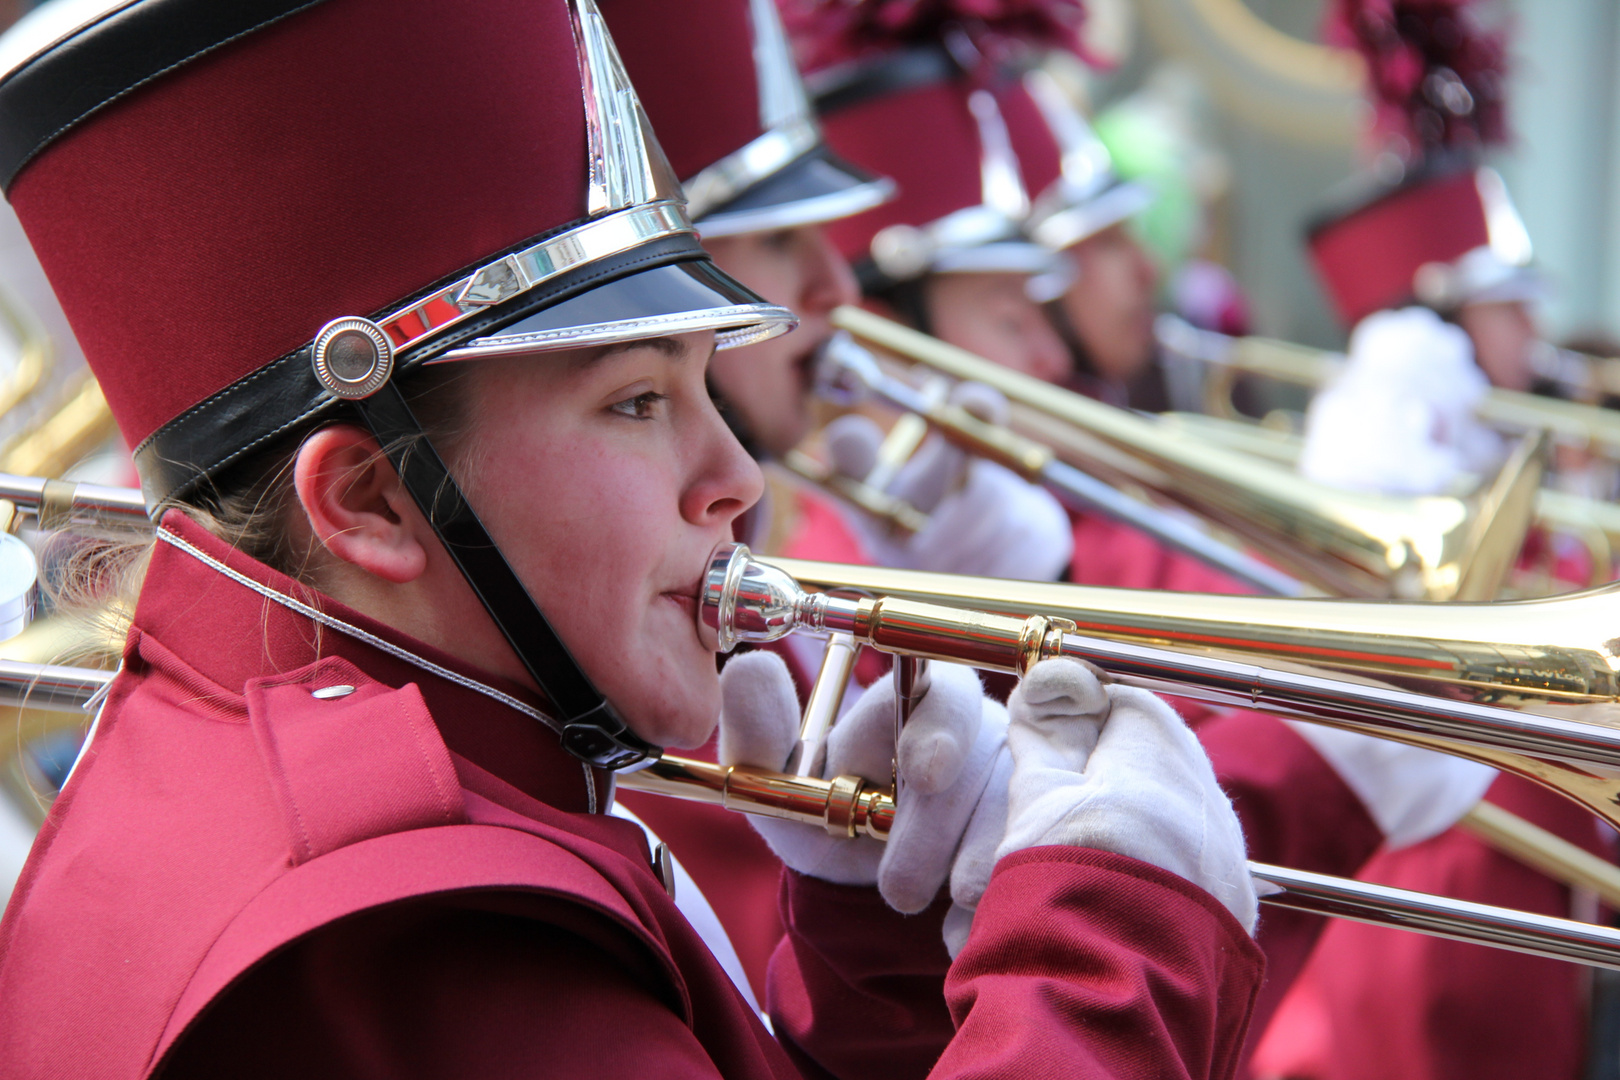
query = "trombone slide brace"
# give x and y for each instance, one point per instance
(844, 806)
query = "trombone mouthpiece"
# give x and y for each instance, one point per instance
(747, 600)
(845, 372)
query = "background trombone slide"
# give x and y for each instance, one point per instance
(1595, 523)
(1347, 544)
(1299, 365)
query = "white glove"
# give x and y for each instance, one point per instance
(1399, 418)
(984, 519)
(997, 525)
(1411, 793)
(1114, 768)
(948, 751)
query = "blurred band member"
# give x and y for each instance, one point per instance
(1433, 272)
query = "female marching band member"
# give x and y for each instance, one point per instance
(348, 271)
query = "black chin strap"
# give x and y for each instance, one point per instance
(591, 730)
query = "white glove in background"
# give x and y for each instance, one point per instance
(1399, 419)
(997, 525)
(948, 752)
(1114, 768)
(984, 519)
(1411, 793)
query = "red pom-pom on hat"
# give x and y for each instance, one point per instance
(830, 32)
(1436, 77)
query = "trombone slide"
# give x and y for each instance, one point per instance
(1434, 547)
(1036, 463)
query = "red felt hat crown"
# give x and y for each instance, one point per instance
(724, 95)
(209, 185)
(923, 92)
(1405, 242)
(1436, 79)
(962, 199)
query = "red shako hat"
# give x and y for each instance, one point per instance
(261, 213)
(724, 95)
(209, 185)
(1447, 236)
(924, 92)
(1429, 225)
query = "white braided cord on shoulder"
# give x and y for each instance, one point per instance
(375, 642)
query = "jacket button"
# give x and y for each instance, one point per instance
(326, 693)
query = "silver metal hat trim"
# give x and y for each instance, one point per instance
(1000, 178)
(1088, 195)
(1008, 257)
(782, 97)
(739, 324)
(1067, 226)
(520, 271)
(790, 132)
(817, 210)
(1086, 167)
(626, 165)
(1509, 239)
(742, 169)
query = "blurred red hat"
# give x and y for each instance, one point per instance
(939, 118)
(1430, 225)
(209, 185)
(1444, 237)
(725, 98)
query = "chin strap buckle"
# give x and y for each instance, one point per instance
(603, 741)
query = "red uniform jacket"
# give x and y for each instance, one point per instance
(244, 879)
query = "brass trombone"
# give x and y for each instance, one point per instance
(847, 370)
(1596, 523)
(1347, 544)
(1439, 686)
(1299, 365)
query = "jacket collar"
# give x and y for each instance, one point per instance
(230, 619)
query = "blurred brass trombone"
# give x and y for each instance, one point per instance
(1344, 543)
(1594, 522)
(848, 372)
(1298, 365)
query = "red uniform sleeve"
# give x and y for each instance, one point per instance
(421, 991)
(1295, 812)
(1081, 964)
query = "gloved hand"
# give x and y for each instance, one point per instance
(948, 752)
(1113, 768)
(1399, 419)
(984, 519)
(1411, 793)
